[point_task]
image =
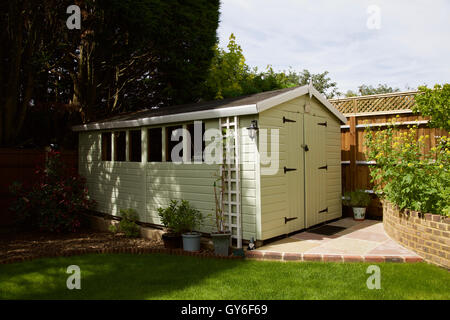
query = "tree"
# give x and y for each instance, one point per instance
(230, 76)
(128, 55)
(365, 90)
(27, 46)
(435, 103)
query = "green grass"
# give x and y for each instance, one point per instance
(160, 276)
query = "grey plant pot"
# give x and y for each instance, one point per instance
(221, 243)
(191, 241)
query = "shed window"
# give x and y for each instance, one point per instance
(135, 146)
(170, 145)
(154, 145)
(106, 146)
(120, 145)
(191, 129)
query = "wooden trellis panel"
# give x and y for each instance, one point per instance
(229, 127)
(376, 103)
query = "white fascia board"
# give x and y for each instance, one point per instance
(328, 104)
(281, 98)
(171, 118)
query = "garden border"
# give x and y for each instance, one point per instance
(79, 252)
(427, 234)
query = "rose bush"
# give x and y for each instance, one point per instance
(54, 202)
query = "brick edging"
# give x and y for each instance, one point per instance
(79, 252)
(287, 256)
(427, 234)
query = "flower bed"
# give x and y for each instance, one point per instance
(426, 234)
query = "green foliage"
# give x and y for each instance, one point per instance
(230, 76)
(180, 218)
(435, 103)
(365, 90)
(54, 202)
(357, 198)
(407, 174)
(127, 224)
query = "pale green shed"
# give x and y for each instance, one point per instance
(287, 144)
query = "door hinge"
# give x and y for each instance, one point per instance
(324, 210)
(287, 120)
(286, 219)
(322, 124)
(289, 169)
(324, 167)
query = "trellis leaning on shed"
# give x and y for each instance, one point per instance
(287, 147)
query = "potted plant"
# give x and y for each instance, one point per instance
(189, 218)
(169, 219)
(359, 200)
(220, 238)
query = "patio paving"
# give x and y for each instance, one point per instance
(360, 241)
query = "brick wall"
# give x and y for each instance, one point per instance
(426, 234)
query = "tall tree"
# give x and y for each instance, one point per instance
(435, 103)
(26, 47)
(230, 76)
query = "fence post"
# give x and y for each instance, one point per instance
(353, 150)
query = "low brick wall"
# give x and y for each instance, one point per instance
(426, 234)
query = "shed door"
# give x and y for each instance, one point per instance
(315, 169)
(293, 172)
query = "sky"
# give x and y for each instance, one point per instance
(400, 43)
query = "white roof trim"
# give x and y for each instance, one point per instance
(216, 113)
(171, 118)
(328, 104)
(281, 98)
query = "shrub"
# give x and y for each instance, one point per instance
(408, 175)
(358, 198)
(127, 224)
(180, 218)
(54, 202)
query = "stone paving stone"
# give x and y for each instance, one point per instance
(289, 245)
(361, 241)
(362, 234)
(390, 247)
(345, 246)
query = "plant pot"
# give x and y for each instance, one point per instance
(221, 243)
(359, 213)
(191, 241)
(171, 240)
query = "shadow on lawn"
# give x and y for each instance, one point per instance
(111, 276)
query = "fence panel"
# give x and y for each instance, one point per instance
(20, 165)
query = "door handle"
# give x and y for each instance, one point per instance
(305, 147)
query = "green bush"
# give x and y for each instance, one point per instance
(180, 218)
(358, 198)
(127, 224)
(406, 173)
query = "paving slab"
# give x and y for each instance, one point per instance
(360, 241)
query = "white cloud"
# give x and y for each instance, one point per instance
(411, 48)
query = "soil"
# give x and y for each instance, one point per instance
(32, 244)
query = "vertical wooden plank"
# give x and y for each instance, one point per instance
(353, 144)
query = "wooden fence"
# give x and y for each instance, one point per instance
(20, 165)
(355, 165)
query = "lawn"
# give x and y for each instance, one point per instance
(161, 276)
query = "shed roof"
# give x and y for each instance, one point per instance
(250, 104)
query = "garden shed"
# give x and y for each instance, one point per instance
(286, 144)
